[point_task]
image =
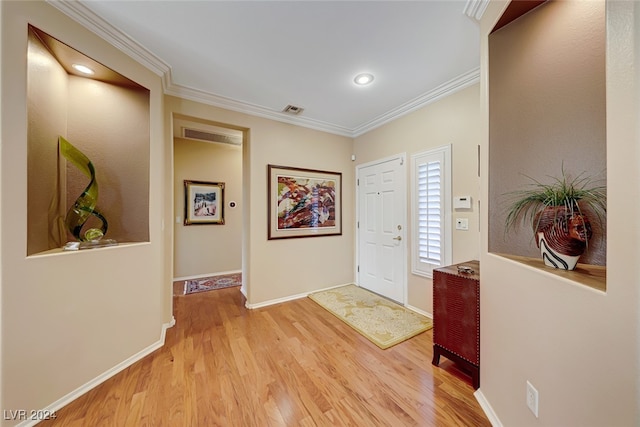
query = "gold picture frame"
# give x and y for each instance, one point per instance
(203, 202)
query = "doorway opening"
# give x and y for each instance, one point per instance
(207, 169)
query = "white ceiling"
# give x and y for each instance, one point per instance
(260, 56)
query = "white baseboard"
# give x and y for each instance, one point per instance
(200, 276)
(417, 310)
(303, 295)
(166, 326)
(488, 410)
(289, 298)
(274, 301)
(65, 400)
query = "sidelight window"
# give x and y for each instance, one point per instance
(431, 210)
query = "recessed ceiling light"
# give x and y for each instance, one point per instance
(83, 69)
(363, 79)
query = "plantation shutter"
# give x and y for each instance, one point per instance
(430, 212)
(431, 196)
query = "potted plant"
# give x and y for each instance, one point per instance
(557, 213)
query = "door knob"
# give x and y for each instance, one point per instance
(398, 238)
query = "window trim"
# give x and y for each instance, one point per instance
(442, 154)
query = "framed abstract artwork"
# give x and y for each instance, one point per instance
(203, 202)
(303, 202)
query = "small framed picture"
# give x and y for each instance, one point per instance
(203, 202)
(304, 202)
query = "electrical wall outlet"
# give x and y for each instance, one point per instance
(532, 398)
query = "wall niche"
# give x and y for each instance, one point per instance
(547, 112)
(107, 117)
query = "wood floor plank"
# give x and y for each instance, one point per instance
(290, 364)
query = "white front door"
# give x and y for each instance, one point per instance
(382, 204)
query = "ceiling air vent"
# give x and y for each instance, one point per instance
(292, 109)
(201, 135)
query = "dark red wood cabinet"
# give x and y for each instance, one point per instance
(456, 317)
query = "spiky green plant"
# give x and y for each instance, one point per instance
(564, 191)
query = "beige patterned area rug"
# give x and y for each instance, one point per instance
(383, 322)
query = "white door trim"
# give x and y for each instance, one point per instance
(396, 157)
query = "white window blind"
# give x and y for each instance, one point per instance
(429, 212)
(431, 198)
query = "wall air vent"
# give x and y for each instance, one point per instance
(292, 109)
(201, 135)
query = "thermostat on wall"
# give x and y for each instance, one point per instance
(462, 202)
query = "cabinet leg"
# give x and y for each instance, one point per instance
(436, 356)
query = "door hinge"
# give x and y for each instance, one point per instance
(358, 181)
(357, 224)
(358, 269)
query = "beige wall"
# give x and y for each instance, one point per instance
(280, 269)
(546, 117)
(69, 318)
(577, 346)
(452, 120)
(203, 250)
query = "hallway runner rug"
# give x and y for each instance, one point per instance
(382, 321)
(213, 282)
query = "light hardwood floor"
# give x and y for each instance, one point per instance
(290, 364)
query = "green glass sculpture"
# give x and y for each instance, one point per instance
(85, 206)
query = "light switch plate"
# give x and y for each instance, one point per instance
(462, 223)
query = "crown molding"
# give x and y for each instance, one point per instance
(446, 89)
(441, 91)
(475, 8)
(253, 109)
(123, 42)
